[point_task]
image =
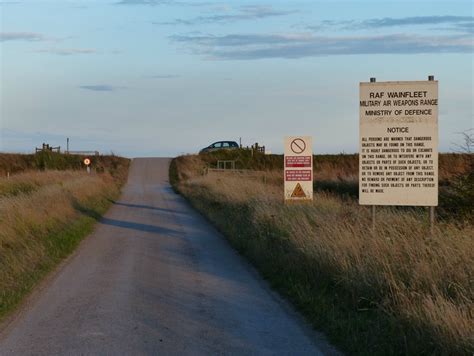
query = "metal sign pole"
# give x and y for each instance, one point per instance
(87, 162)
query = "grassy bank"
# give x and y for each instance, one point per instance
(329, 167)
(338, 175)
(11, 163)
(395, 292)
(43, 217)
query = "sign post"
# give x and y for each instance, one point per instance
(87, 162)
(398, 144)
(298, 168)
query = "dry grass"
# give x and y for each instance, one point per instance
(32, 181)
(328, 167)
(11, 163)
(43, 215)
(423, 285)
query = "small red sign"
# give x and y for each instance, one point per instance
(298, 175)
(298, 161)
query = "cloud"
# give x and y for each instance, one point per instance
(100, 87)
(249, 12)
(465, 27)
(409, 21)
(162, 2)
(165, 76)
(256, 46)
(67, 51)
(21, 36)
(460, 23)
(143, 2)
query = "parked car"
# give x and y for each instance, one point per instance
(220, 145)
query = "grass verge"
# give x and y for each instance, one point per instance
(43, 218)
(395, 292)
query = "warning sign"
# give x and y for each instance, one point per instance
(298, 161)
(298, 168)
(298, 145)
(298, 192)
(298, 175)
(398, 145)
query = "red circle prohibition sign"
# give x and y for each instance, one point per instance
(298, 146)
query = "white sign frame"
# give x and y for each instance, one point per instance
(298, 168)
(398, 143)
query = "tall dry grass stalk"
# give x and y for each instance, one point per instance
(35, 208)
(425, 284)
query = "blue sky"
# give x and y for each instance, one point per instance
(163, 77)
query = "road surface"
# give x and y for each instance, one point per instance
(156, 279)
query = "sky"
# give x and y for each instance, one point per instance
(164, 77)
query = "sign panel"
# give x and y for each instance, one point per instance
(298, 168)
(87, 161)
(398, 143)
(296, 161)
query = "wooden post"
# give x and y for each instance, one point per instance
(432, 208)
(373, 80)
(432, 221)
(373, 219)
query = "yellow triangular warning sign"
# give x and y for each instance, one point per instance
(298, 192)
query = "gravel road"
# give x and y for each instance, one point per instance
(155, 278)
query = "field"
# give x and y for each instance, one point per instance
(393, 291)
(44, 214)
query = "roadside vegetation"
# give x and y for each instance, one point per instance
(45, 213)
(393, 291)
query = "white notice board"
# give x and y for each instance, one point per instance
(398, 143)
